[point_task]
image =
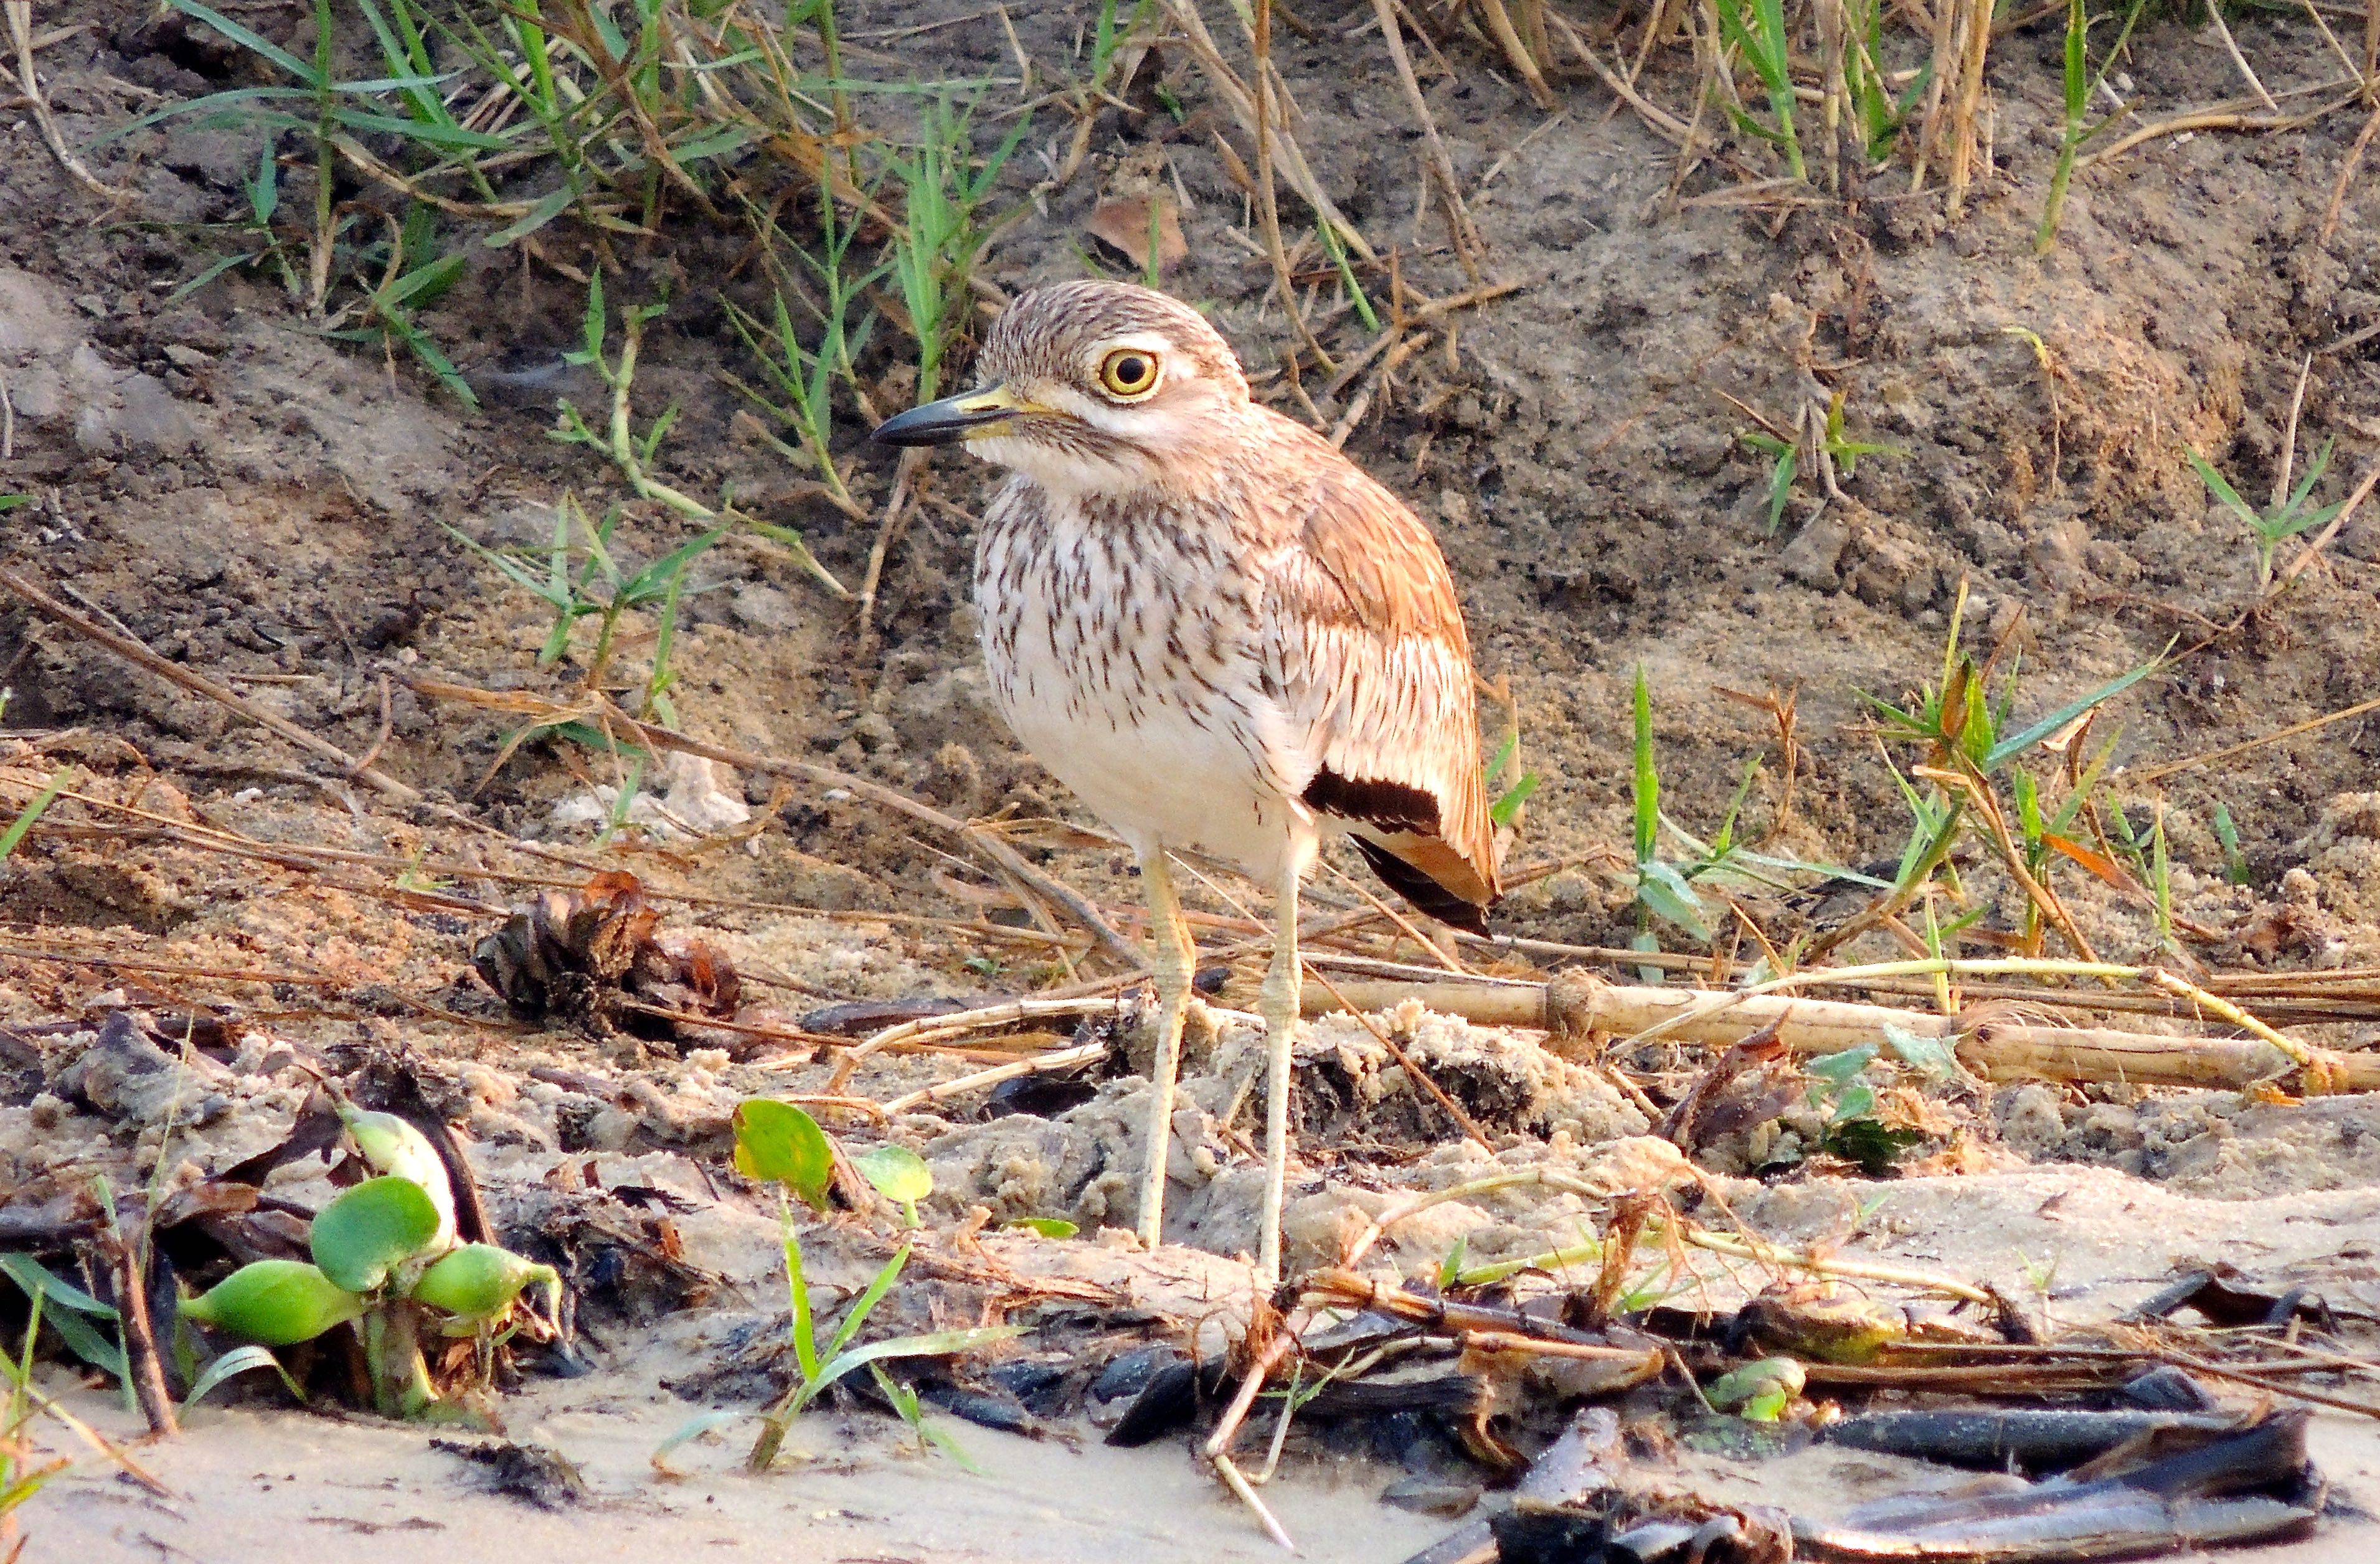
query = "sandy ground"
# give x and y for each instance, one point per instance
(261, 1486)
(267, 506)
(851, 1490)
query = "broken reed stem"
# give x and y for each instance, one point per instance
(308, 858)
(1414, 1073)
(2231, 47)
(936, 1029)
(1061, 1059)
(2347, 169)
(1734, 1245)
(2363, 490)
(894, 509)
(1850, 1270)
(2223, 119)
(1516, 53)
(2247, 1376)
(1576, 1004)
(1268, 201)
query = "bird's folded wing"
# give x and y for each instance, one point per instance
(1364, 635)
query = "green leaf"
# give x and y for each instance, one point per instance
(2222, 490)
(1503, 757)
(2321, 465)
(521, 575)
(1869, 1142)
(89, 1344)
(593, 325)
(1507, 808)
(32, 813)
(1665, 890)
(238, 1361)
(897, 1172)
(1839, 1068)
(712, 143)
(2235, 863)
(547, 208)
(654, 580)
(1935, 1057)
(72, 1304)
(1048, 1227)
(453, 137)
(777, 1142)
(371, 1230)
(425, 283)
(1855, 1101)
(942, 1440)
(1780, 485)
(865, 1304)
(276, 1303)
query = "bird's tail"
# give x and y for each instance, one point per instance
(1429, 872)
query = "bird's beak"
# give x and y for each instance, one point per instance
(953, 418)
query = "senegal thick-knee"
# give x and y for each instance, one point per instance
(1220, 634)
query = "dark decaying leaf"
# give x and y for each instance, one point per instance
(582, 956)
(316, 1130)
(2027, 1439)
(535, 1475)
(2227, 1296)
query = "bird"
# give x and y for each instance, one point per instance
(1219, 632)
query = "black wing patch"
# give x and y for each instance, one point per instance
(1390, 805)
(1424, 892)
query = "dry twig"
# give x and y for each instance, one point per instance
(28, 83)
(132, 652)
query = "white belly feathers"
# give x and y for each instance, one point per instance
(1123, 651)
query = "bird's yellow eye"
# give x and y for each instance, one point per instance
(1129, 372)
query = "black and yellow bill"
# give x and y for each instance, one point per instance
(953, 418)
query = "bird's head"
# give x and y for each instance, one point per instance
(1088, 386)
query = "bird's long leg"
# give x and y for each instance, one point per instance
(1279, 1006)
(1170, 964)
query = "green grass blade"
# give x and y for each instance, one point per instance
(24, 822)
(254, 43)
(866, 1303)
(238, 1361)
(2223, 491)
(1648, 788)
(934, 1344)
(547, 208)
(2008, 748)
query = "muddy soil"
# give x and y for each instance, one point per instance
(210, 477)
